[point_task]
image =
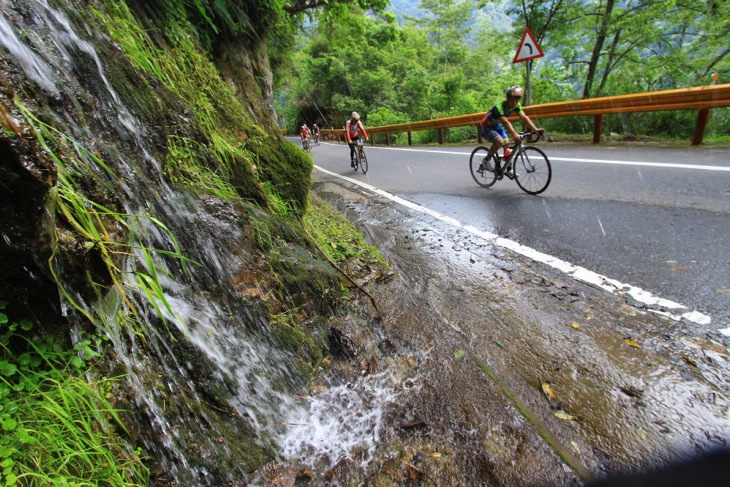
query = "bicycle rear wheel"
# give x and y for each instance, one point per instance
(477, 166)
(532, 170)
(363, 162)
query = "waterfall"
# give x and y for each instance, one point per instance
(198, 340)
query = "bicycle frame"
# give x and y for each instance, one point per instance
(518, 147)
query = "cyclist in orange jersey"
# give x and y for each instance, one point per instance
(353, 130)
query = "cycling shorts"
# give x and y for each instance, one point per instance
(492, 132)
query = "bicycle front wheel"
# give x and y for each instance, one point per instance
(363, 162)
(532, 170)
(479, 167)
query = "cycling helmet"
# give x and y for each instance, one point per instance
(355, 116)
(514, 91)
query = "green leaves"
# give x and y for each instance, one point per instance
(7, 369)
(53, 424)
(9, 424)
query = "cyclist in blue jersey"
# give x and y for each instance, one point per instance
(492, 127)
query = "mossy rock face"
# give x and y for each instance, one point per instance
(305, 279)
(288, 168)
(308, 280)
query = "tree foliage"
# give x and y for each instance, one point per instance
(455, 58)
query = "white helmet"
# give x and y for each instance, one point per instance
(514, 91)
(355, 116)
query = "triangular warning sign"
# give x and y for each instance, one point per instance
(528, 48)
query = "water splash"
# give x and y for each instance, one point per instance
(344, 422)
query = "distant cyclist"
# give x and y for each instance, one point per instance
(492, 127)
(315, 133)
(353, 130)
(304, 134)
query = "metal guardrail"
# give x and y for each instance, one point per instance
(701, 98)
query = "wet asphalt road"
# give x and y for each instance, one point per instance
(656, 219)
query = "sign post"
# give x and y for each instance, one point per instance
(528, 50)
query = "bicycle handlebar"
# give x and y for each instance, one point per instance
(528, 136)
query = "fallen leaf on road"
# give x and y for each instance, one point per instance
(564, 415)
(632, 343)
(459, 354)
(689, 360)
(548, 390)
(575, 447)
(575, 325)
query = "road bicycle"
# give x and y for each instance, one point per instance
(316, 139)
(527, 165)
(360, 160)
(306, 145)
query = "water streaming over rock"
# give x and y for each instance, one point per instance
(199, 342)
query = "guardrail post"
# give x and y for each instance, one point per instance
(387, 139)
(441, 136)
(479, 135)
(703, 116)
(410, 138)
(597, 128)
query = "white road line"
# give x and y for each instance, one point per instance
(676, 310)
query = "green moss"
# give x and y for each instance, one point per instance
(288, 168)
(292, 337)
(336, 236)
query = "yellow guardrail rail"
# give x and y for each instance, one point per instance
(701, 98)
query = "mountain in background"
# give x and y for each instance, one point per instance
(493, 13)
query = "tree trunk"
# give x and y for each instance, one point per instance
(597, 48)
(609, 62)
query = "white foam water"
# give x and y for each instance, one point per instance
(343, 422)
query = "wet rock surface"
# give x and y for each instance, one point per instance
(505, 372)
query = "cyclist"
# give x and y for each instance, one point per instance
(353, 130)
(315, 133)
(492, 127)
(304, 134)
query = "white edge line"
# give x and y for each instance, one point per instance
(576, 272)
